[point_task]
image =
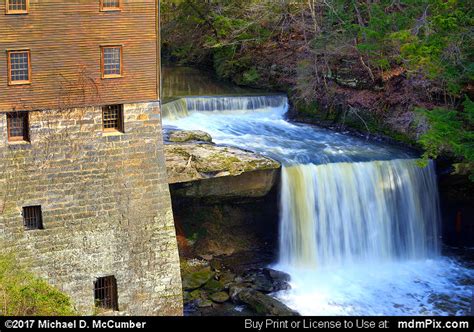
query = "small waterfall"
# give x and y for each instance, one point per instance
(344, 213)
(181, 108)
(175, 110)
(240, 103)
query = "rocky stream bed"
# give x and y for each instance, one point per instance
(212, 288)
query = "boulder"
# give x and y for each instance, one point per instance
(235, 289)
(220, 297)
(214, 286)
(277, 275)
(267, 280)
(216, 265)
(263, 304)
(192, 296)
(259, 281)
(197, 279)
(226, 278)
(204, 303)
(182, 136)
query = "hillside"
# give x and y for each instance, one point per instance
(400, 68)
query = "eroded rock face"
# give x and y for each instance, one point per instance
(252, 184)
(208, 170)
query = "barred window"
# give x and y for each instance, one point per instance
(112, 118)
(19, 67)
(111, 61)
(17, 6)
(17, 126)
(32, 217)
(105, 293)
(108, 5)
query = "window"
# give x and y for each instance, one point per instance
(32, 217)
(19, 67)
(17, 126)
(110, 5)
(111, 61)
(105, 293)
(112, 118)
(17, 6)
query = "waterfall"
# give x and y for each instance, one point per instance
(345, 213)
(175, 110)
(181, 108)
(240, 103)
(359, 221)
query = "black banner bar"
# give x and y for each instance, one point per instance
(237, 323)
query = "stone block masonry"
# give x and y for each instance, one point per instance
(105, 202)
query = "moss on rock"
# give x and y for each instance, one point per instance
(182, 136)
(197, 161)
(220, 297)
(198, 279)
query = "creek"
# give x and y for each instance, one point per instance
(359, 221)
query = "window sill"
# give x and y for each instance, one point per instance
(19, 83)
(16, 13)
(108, 10)
(112, 133)
(19, 143)
(111, 77)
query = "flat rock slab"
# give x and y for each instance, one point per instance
(191, 162)
(197, 168)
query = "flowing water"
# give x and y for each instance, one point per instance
(354, 213)
(359, 220)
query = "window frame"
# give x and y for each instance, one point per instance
(38, 212)
(9, 65)
(106, 293)
(110, 9)
(121, 120)
(17, 12)
(26, 124)
(102, 62)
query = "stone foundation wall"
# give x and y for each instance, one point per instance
(105, 202)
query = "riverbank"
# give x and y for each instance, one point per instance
(408, 78)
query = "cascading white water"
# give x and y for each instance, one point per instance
(358, 219)
(234, 103)
(181, 108)
(364, 212)
(176, 109)
(362, 238)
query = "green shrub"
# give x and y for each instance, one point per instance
(251, 76)
(451, 132)
(23, 294)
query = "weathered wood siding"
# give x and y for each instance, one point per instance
(65, 38)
